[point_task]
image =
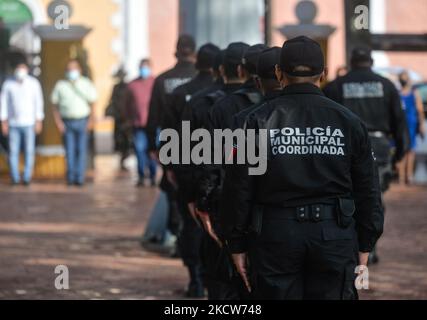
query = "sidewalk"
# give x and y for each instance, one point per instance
(95, 231)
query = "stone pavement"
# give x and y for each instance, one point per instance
(95, 231)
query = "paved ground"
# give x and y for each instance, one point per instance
(95, 231)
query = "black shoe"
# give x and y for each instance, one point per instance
(26, 183)
(140, 183)
(79, 184)
(195, 290)
(14, 183)
(153, 183)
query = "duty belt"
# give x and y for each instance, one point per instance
(314, 212)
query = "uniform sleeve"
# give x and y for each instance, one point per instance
(156, 108)
(39, 102)
(398, 124)
(237, 199)
(4, 106)
(366, 191)
(210, 174)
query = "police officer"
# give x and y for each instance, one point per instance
(239, 68)
(218, 266)
(189, 239)
(163, 87)
(318, 203)
(270, 89)
(377, 102)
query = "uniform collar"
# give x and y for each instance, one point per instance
(204, 75)
(272, 94)
(302, 88)
(183, 63)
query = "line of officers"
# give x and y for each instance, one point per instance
(299, 230)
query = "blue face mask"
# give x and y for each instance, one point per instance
(145, 72)
(73, 75)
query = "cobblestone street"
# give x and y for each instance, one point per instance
(96, 230)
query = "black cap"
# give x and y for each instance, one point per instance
(267, 61)
(185, 45)
(234, 53)
(302, 51)
(361, 54)
(251, 55)
(206, 56)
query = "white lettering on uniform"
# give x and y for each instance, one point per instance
(307, 141)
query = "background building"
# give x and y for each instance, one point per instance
(124, 31)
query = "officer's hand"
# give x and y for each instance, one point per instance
(192, 210)
(170, 176)
(240, 261)
(363, 258)
(207, 225)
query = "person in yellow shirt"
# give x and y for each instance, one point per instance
(73, 99)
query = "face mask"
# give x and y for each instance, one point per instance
(403, 82)
(145, 72)
(21, 74)
(73, 75)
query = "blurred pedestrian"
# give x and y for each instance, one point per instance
(116, 109)
(73, 99)
(413, 106)
(137, 104)
(22, 113)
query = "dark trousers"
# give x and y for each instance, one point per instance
(220, 279)
(303, 260)
(190, 237)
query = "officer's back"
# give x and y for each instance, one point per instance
(373, 98)
(167, 82)
(318, 202)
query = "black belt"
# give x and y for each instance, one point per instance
(314, 212)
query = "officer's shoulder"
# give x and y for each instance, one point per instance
(165, 75)
(181, 89)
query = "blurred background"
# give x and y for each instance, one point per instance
(122, 32)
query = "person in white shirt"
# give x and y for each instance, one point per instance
(21, 115)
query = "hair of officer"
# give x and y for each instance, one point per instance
(230, 70)
(185, 47)
(269, 84)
